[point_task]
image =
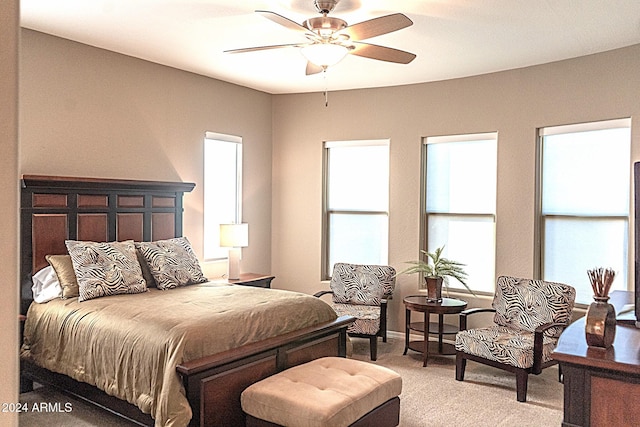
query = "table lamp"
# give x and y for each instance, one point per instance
(234, 237)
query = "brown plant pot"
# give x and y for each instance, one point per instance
(434, 288)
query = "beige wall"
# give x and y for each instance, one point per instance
(90, 112)
(513, 103)
(86, 111)
(9, 42)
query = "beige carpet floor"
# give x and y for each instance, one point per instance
(487, 397)
(431, 396)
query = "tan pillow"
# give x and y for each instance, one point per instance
(66, 276)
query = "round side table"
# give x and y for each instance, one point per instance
(420, 304)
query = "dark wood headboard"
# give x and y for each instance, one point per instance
(55, 209)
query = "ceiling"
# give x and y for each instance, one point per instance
(451, 38)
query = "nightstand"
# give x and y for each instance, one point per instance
(250, 279)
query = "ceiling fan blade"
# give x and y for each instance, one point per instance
(377, 26)
(382, 53)
(313, 68)
(285, 22)
(257, 48)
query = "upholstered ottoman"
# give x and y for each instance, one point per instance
(327, 392)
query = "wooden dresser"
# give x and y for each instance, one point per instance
(601, 387)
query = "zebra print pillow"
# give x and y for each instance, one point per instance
(105, 268)
(172, 262)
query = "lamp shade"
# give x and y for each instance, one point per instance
(234, 235)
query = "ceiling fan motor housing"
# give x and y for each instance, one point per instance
(325, 26)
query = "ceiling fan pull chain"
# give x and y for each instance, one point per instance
(326, 89)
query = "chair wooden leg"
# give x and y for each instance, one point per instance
(461, 364)
(560, 377)
(522, 378)
(373, 347)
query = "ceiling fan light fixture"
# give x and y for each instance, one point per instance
(324, 54)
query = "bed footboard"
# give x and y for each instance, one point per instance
(213, 384)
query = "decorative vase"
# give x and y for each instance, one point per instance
(434, 289)
(600, 326)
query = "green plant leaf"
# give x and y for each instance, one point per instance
(437, 266)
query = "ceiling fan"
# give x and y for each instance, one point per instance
(331, 39)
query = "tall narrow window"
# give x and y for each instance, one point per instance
(222, 189)
(356, 203)
(460, 203)
(584, 221)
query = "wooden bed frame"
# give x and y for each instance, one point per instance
(54, 209)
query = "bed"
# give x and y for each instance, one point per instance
(183, 354)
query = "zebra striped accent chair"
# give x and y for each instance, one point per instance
(529, 317)
(362, 291)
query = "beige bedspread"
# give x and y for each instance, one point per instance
(129, 345)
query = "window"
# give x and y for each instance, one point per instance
(460, 203)
(584, 220)
(222, 189)
(356, 203)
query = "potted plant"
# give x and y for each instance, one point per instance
(436, 271)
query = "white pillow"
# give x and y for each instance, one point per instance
(45, 285)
